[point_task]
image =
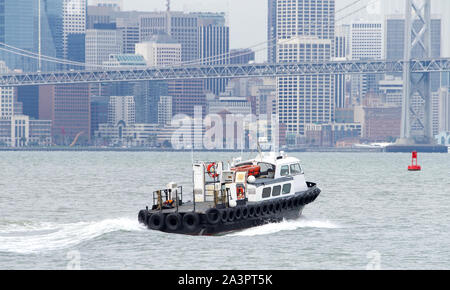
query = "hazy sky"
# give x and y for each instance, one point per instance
(248, 18)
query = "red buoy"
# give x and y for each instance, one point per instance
(414, 166)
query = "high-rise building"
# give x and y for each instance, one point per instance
(101, 42)
(182, 27)
(165, 110)
(68, 107)
(19, 28)
(272, 31)
(186, 95)
(444, 110)
(395, 42)
(99, 15)
(7, 102)
(122, 109)
(241, 56)
(161, 50)
(305, 33)
(99, 112)
(214, 47)
(341, 52)
(117, 5)
(366, 43)
(147, 96)
(74, 26)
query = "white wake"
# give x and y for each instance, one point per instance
(41, 237)
(286, 225)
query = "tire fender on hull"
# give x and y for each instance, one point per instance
(191, 222)
(156, 221)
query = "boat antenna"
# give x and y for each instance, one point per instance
(259, 148)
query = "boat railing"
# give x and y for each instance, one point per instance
(174, 196)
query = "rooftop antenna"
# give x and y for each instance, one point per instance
(168, 5)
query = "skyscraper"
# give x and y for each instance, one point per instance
(122, 109)
(272, 31)
(183, 27)
(74, 27)
(101, 42)
(341, 52)
(366, 43)
(214, 47)
(395, 42)
(68, 106)
(116, 4)
(305, 33)
(19, 28)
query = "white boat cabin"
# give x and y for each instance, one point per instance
(268, 176)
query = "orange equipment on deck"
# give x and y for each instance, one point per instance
(253, 170)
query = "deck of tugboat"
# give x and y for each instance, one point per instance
(202, 207)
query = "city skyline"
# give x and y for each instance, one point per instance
(238, 11)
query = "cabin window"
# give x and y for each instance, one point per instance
(284, 170)
(296, 169)
(266, 192)
(276, 190)
(267, 170)
(287, 188)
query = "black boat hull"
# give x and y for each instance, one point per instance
(216, 221)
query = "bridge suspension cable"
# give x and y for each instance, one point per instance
(209, 60)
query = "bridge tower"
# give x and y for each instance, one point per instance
(417, 102)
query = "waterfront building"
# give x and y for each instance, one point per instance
(327, 135)
(392, 90)
(305, 33)
(99, 112)
(121, 109)
(380, 123)
(122, 134)
(165, 110)
(68, 107)
(444, 110)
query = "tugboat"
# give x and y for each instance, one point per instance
(233, 196)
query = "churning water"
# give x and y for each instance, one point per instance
(64, 209)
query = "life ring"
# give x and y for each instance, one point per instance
(211, 169)
(240, 193)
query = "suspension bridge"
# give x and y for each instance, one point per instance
(416, 72)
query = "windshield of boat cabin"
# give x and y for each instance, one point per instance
(267, 170)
